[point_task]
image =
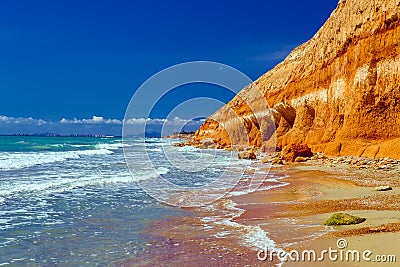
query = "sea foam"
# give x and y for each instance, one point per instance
(115, 146)
(253, 236)
(20, 160)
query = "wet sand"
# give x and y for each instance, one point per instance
(293, 217)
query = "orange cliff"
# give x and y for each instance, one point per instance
(338, 93)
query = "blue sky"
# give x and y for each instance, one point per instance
(79, 59)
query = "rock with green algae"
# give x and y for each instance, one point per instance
(343, 219)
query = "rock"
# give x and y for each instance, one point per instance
(339, 91)
(179, 144)
(243, 148)
(207, 143)
(266, 160)
(291, 152)
(277, 161)
(300, 159)
(343, 219)
(347, 161)
(363, 162)
(377, 229)
(247, 155)
(383, 188)
(385, 162)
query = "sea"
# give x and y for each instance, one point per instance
(72, 201)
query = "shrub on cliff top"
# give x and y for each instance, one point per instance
(343, 219)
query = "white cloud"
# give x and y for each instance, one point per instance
(21, 120)
(94, 125)
(138, 121)
(173, 121)
(99, 121)
(93, 120)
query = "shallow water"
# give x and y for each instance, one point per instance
(73, 201)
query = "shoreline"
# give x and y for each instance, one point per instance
(293, 217)
(315, 192)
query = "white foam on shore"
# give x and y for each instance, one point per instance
(162, 170)
(114, 146)
(20, 160)
(188, 148)
(101, 151)
(62, 184)
(80, 145)
(261, 188)
(46, 185)
(273, 186)
(253, 236)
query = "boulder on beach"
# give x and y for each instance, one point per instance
(266, 160)
(182, 144)
(247, 155)
(293, 151)
(301, 159)
(277, 161)
(383, 188)
(207, 143)
(343, 219)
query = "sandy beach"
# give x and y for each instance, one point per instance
(200, 133)
(293, 216)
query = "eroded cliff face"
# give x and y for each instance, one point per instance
(339, 92)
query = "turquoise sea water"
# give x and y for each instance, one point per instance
(73, 202)
(70, 202)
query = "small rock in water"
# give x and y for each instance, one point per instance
(383, 188)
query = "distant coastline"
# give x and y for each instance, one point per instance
(181, 134)
(63, 135)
